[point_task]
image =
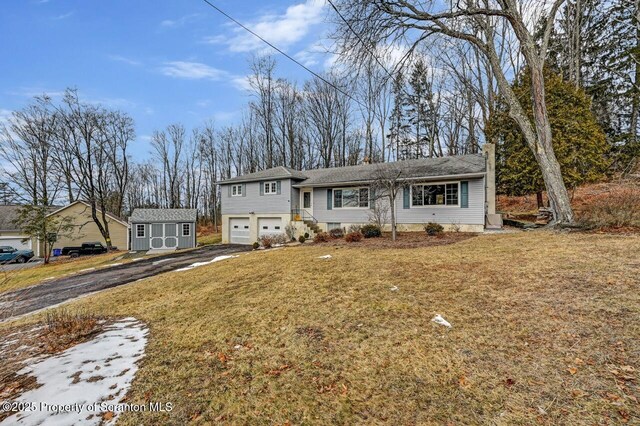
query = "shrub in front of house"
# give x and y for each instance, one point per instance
(321, 237)
(353, 237)
(256, 245)
(306, 235)
(301, 239)
(353, 228)
(371, 231)
(336, 233)
(433, 228)
(266, 241)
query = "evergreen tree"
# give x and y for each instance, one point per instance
(420, 113)
(397, 136)
(578, 140)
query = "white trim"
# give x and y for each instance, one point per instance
(238, 190)
(182, 229)
(144, 230)
(429, 206)
(333, 197)
(270, 183)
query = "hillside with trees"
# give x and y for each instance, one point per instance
(557, 81)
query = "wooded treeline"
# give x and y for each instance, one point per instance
(433, 86)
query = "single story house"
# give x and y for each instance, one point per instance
(163, 229)
(456, 192)
(85, 229)
(10, 233)
(78, 214)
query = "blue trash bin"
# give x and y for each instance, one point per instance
(57, 252)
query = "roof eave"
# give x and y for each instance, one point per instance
(422, 178)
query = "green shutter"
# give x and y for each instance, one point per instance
(372, 197)
(329, 200)
(244, 189)
(261, 184)
(406, 195)
(278, 186)
(464, 194)
(229, 189)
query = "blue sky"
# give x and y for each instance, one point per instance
(161, 61)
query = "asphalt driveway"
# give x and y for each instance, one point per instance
(53, 292)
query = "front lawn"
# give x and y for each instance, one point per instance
(545, 330)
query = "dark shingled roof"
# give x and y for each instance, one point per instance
(279, 172)
(163, 215)
(9, 213)
(473, 164)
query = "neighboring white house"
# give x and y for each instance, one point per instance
(455, 191)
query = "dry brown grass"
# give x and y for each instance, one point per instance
(403, 240)
(545, 330)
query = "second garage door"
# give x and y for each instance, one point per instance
(270, 226)
(239, 231)
(16, 242)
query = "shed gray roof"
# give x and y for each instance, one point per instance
(279, 172)
(468, 165)
(163, 215)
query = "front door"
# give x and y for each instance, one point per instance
(306, 201)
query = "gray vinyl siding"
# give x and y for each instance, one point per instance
(139, 244)
(295, 198)
(320, 212)
(473, 215)
(252, 201)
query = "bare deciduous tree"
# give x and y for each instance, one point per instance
(475, 22)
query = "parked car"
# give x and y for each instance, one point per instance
(9, 254)
(86, 249)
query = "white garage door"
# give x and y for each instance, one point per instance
(270, 226)
(15, 242)
(239, 231)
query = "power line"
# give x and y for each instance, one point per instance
(231, 18)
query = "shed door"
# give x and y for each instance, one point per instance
(239, 231)
(157, 235)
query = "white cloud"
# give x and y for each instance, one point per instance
(63, 16)
(123, 59)
(192, 71)
(282, 30)
(175, 23)
(241, 83)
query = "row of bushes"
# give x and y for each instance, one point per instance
(355, 233)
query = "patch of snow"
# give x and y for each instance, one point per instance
(88, 269)
(394, 288)
(113, 264)
(159, 261)
(197, 264)
(326, 256)
(439, 320)
(83, 377)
